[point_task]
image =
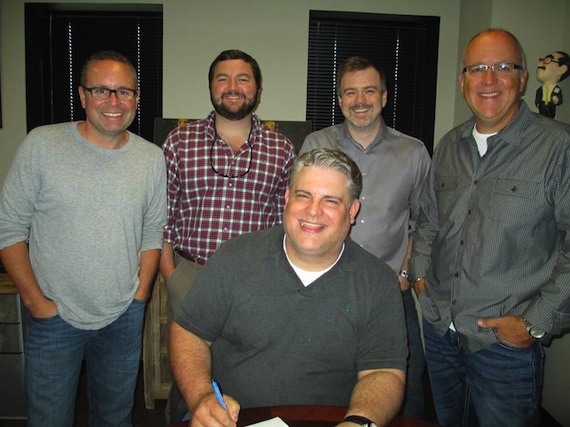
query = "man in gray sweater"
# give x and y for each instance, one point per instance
(81, 220)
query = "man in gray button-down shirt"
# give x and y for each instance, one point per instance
(492, 245)
(394, 166)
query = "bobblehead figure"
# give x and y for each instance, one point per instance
(551, 70)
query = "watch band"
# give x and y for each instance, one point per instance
(362, 421)
(414, 282)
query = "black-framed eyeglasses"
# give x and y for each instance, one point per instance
(101, 93)
(548, 59)
(231, 176)
(501, 68)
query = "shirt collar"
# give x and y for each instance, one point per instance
(512, 133)
(255, 133)
(382, 134)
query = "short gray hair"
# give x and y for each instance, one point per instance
(331, 159)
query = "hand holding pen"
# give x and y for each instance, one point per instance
(218, 394)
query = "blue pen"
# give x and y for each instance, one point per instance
(218, 394)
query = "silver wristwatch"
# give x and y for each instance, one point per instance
(533, 331)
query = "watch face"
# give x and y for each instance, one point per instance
(536, 333)
(532, 331)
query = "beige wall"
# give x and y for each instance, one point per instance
(195, 31)
(275, 33)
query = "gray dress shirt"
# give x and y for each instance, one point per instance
(393, 168)
(491, 236)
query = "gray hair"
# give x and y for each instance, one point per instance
(330, 159)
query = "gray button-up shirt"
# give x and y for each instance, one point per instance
(393, 170)
(491, 236)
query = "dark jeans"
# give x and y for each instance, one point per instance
(497, 386)
(54, 354)
(414, 400)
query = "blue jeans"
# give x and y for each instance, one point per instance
(414, 393)
(497, 386)
(54, 353)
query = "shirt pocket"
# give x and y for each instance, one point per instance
(514, 200)
(446, 193)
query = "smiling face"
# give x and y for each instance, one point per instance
(107, 120)
(233, 90)
(494, 100)
(317, 217)
(361, 99)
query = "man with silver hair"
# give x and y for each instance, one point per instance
(303, 315)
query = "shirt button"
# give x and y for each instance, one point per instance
(476, 182)
(453, 302)
(362, 221)
(461, 242)
(469, 212)
(456, 274)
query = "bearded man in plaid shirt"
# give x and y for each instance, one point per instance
(227, 175)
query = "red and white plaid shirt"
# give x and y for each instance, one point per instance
(205, 208)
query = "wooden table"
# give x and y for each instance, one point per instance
(310, 416)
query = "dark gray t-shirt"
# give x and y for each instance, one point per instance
(277, 342)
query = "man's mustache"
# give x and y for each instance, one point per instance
(233, 93)
(360, 106)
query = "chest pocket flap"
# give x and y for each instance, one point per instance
(445, 183)
(516, 187)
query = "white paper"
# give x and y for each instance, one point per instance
(273, 422)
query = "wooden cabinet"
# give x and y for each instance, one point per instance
(12, 391)
(156, 366)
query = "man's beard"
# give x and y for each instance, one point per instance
(246, 108)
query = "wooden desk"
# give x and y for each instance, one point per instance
(310, 416)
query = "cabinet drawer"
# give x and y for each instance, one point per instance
(9, 308)
(10, 339)
(12, 394)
